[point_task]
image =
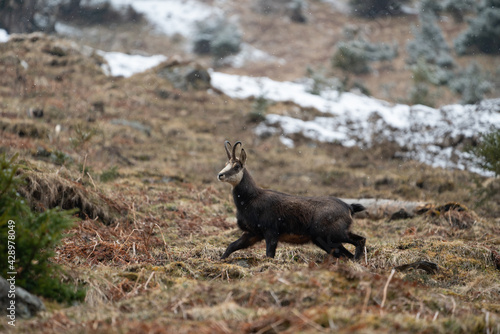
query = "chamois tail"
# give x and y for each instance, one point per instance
(356, 208)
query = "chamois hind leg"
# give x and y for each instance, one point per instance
(324, 245)
(359, 242)
(336, 249)
(245, 241)
(340, 250)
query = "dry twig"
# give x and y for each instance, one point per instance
(387, 286)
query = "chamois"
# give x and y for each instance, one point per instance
(274, 216)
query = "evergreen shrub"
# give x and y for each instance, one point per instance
(33, 238)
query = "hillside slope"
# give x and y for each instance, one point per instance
(275, 46)
(155, 150)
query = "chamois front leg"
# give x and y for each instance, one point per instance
(245, 241)
(271, 243)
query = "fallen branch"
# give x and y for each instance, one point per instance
(457, 214)
(383, 208)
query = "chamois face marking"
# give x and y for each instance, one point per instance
(232, 173)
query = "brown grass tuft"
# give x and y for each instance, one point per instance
(49, 190)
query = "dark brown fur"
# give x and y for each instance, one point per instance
(274, 216)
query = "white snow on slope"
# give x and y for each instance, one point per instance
(250, 54)
(171, 16)
(425, 134)
(429, 135)
(4, 36)
(120, 64)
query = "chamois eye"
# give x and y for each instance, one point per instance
(237, 167)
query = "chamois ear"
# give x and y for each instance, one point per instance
(243, 157)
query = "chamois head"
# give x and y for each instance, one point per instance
(233, 172)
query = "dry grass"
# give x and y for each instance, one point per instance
(49, 190)
(158, 269)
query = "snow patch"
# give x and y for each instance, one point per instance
(120, 64)
(171, 16)
(4, 36)
(426, 134)
(175, 17)
(250, 54)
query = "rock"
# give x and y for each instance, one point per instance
(35, 112)
(98, 106)
(27, 305)
(401, 214)
(495, 257)
(428, 267)
(134, 125)
(185, 75)
(294, 9)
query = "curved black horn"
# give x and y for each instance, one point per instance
(226, 143)
(234, 148)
